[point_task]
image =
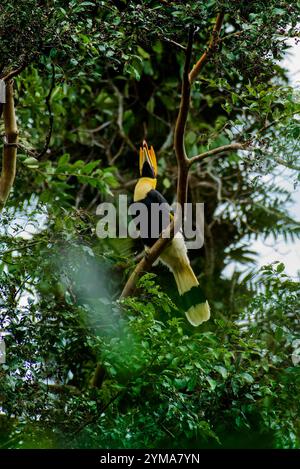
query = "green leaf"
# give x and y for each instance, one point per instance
(166, 183)
(247, 377)
(279, 11)
(88, 168)
(223, 372)
(212, 382)
(180, 383)
(150, 105)
(157, 47)
(229, 133)
(64, 159)
(129, 69)
(31, 162)
(191, 137)
(280, 267)
(143, 53)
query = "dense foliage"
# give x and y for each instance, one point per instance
(96, 78)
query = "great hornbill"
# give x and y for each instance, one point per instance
(174, 256)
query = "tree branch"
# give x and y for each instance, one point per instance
(267, 126)
(171, 41)
(236, 146)
(10, 146)
(120, 116)
(287, 164)
(149, 258)
(182, 160)
(51, 117)
(15, 72)
(216, 151)
(211, 47)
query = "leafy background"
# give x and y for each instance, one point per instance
(108, 73)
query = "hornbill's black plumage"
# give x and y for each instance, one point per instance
(175, 254)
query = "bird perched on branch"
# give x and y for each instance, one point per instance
(175, 254)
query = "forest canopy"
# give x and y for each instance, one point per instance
(202, 81)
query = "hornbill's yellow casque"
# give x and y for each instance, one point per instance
(175, 254)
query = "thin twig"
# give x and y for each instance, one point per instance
(267, 126)
(120, 117)
(51, 116)
(231, 35)
(287, 164)
(92, 131)
(164, 38)
(94, 417)
(171, 41)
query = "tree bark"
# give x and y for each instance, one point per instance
(212, 44)
(9, 147)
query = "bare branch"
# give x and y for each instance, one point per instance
(211, 46)
(245, 146)
(171, 41)
(179, 146)
(149, 258)
(168, 141)
(10, 146)
(120, 118)
(15, 72)
(63, 389)
(231, 35)
(92, 131)
(218, 150)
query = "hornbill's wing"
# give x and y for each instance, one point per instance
(159, 220)
(158, 198)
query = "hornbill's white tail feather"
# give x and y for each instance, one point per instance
(184, 277)
(175, 257)
(198, 314)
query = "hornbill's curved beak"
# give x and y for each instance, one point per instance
(148, 155)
